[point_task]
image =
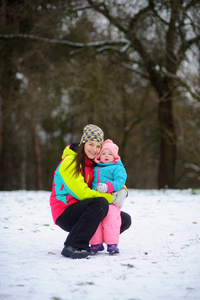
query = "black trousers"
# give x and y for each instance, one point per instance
(82, 219)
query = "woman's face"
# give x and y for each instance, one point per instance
(92, 149)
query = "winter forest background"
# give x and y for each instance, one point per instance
(131, 67)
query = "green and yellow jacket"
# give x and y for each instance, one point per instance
(68, 189)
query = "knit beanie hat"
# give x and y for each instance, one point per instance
(108, 144)
(92, 133)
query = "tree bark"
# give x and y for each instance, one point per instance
(6, 126)
(168, 149)
(24, 163)
(37, 158)
(2, 24)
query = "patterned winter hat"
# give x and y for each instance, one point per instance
(108, 144)
(92, 133)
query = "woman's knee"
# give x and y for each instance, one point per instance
(101, 204)
(126, 221)
(101, 200)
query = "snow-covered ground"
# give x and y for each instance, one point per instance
(159, 255)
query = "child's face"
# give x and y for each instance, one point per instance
(106, 156)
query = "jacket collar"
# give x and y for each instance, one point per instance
(89, 162)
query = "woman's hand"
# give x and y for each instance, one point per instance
(119, 197)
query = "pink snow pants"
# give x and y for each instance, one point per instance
(108, 230)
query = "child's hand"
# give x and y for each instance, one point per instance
(102, 187)
(119, 197)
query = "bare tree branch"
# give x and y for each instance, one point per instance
(124, 42)
(134, 21)
(42, 39)
(122, 50)
(130, 68)
(79, 8)
(185, 46)
(103, 9)
(159, 17)
(193, 93)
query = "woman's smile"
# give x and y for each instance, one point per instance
(92, 149)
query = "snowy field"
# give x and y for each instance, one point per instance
(159, 255)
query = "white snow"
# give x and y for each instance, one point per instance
(159, 255)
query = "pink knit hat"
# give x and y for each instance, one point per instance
(108, 144)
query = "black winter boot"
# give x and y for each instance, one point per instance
(69, 251)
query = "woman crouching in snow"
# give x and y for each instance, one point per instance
(76, 208)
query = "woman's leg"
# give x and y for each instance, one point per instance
(81, 220)
(98, 236)
(126, 221)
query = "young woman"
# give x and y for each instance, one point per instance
(76, 208)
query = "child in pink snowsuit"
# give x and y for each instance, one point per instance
(109, 176)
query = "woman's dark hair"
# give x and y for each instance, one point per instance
(80, 161)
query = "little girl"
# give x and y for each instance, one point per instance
(109, 176)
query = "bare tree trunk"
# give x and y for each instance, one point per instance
(2, 24)
(6, 127)
(130, 125)
(24, 163)
(168, 151)
(1, 123)
(168, 145)
(36, 151)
